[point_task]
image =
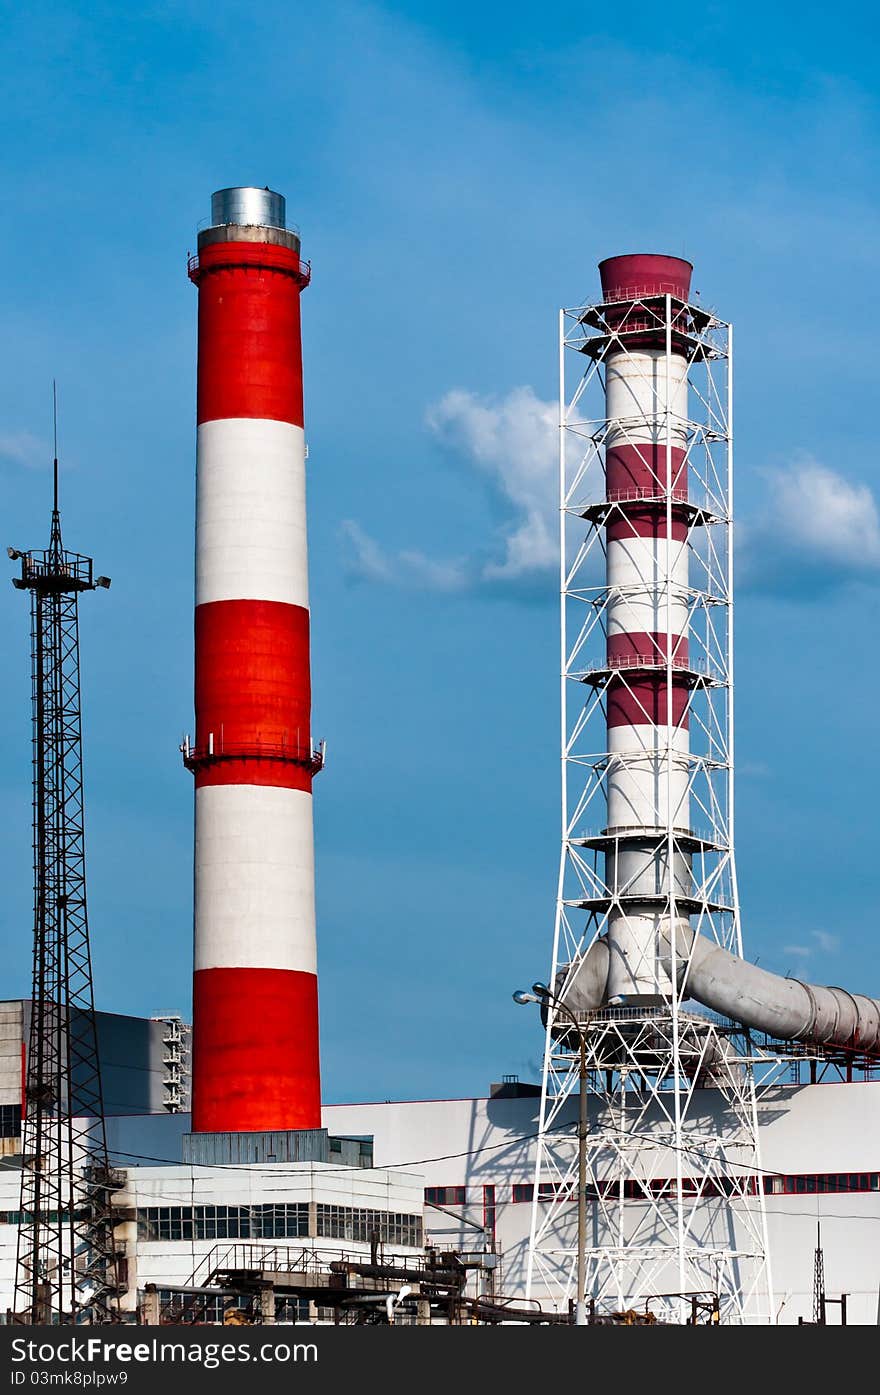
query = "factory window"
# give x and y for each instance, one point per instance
(489, 1214)
(208, 1308)
(10, 1120)
(445, 1196)
(290, 1309)
(166, 1223)
(279, 1222)
(332, 1222)
(27, 1217)
(276, 1222)
(273, 1222)
(634, 1189)
(357, 1223)
(547, 1191)
(829, 1182)
(556, 1191)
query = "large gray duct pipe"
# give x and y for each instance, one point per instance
(586, 989)
(782, 1007)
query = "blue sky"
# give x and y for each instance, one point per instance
(457, 171)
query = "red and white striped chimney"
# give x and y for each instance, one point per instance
(647, 561)
(255, 989)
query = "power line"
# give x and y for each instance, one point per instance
(749, 1170)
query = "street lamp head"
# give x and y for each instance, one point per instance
(523, 998)
(541, 989)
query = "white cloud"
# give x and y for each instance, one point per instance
(370, 562)
(827, 943)
(23, 448)
(816, 529)
(753, 769)
(822, 941)
(824, 513)
(511, 442)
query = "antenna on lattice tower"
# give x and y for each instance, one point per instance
(54, 446)
(66, 1264)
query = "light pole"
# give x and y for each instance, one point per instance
(542, 995)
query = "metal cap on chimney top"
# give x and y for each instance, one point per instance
(248, 207)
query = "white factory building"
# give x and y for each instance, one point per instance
(445, 1173)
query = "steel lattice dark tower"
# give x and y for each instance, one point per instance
(819, 1280)
(65, 1267)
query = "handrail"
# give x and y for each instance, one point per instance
(657, 288)
(303, 273)
(297, 753)
(284, 1259)
(624, 831)
(613, 496)
(652, 661)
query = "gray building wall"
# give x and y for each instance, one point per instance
(10, 1052)
(131, 1051)
(10, 1075)
(132, 1070)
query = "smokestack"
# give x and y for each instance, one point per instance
(665, 479)
(255, 1000)
(647, 615)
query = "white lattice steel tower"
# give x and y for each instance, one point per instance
(673, 1183)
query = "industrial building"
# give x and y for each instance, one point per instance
(697, 1117)
(820, 1146)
